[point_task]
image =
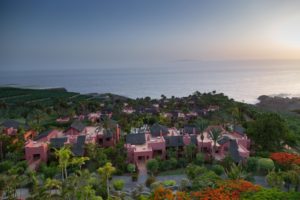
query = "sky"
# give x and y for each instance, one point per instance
(44, 34)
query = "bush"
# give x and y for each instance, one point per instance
(168, 164)
(150, 180)
(252, 164)
(168, 183)
(192, 171)
(5, 166)
(155, 185)
(200, 158)
(48, 171)
(152, 166)
(118, 184)
(134, 176)
(227, 162)
(131, 168)
(218, 169)
(265, 164)
(182, 162)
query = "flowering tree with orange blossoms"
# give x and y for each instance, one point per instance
(284, 159)
(162, 193)
(227, 190)
(182, 196)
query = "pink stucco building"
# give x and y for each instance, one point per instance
(77, 135)
(147, 143)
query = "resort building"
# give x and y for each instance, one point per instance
(13, 127)
(76, 136)
(147, 143)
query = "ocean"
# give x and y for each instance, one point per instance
(242, 81)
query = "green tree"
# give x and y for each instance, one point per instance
(192, 171)
(215, 135)
(275, 179)
(201, 125)
(79, 161)
(200, 158)
(269, 132)
(152, 166)
(118, 184)
(64, 159)
(105, 172)
(190, 151)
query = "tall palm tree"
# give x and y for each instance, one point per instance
(105, 172)
(64, 160)
(53, 184)
(202, 125)
(215, 135)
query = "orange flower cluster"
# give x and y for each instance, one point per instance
(228, 190)
(162, 193)
(285, 159)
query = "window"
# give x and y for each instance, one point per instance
(36, 156)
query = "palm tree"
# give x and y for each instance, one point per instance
(201, 125)
(64, 160)
(79, 161)
(215, 135)
(53, 184)
(105, 172)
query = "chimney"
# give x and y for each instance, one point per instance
(194, 130)
(161, 133)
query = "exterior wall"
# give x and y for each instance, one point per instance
(113, 141)
(145, 154)
(10, 131)
(106, 143)
(42, 150)
(207, 145)
(158, 146)
(223, 149)
(186, 139)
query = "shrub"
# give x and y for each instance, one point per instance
(182, 162)
(168, 183)
(5, 166)
(270, 194)
(227, 162)
(131, 168)
(152, 166)
(200, 158)
(192, 171)
(218, 169)
(134, 176)
(207, 179)
(48, 171)
(118, 184)
(265, 164)
(252, 163)
(150, 180)
(184, 184)
(155, 185)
